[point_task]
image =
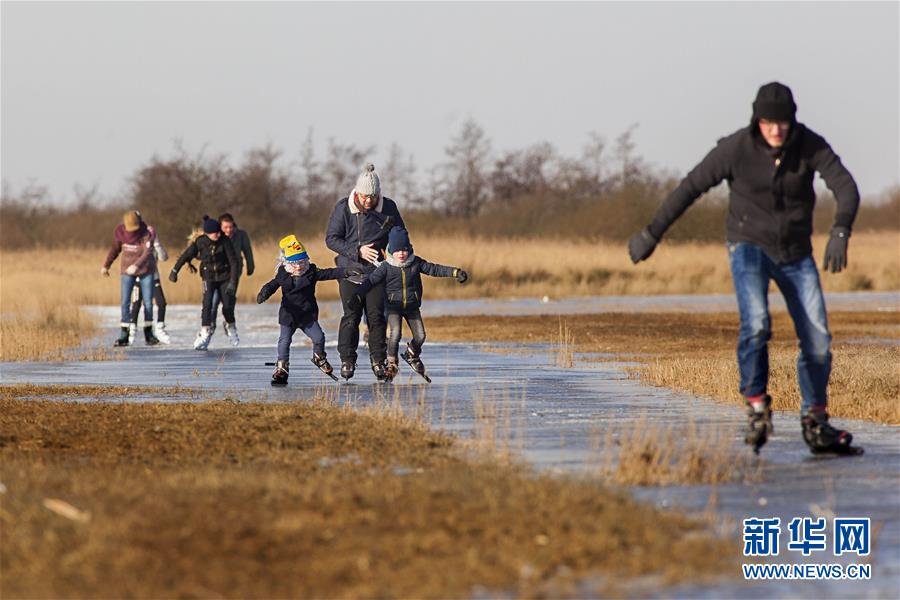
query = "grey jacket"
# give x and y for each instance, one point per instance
(242, 248)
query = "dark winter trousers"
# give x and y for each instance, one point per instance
(395, 331)
(209, 288)
(158, 297)
(348, 333)
(312, 330)
(217, 300)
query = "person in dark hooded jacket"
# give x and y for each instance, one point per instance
(297, 279)
(401, 275)
(770, 166)
(358, 231)
(218, 270)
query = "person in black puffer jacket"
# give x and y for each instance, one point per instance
(297, 279)
(358, 233)
(401, 274)
(770, 167)
(218, 270)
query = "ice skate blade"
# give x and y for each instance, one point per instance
(839, 452)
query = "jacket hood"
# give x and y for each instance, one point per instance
(774, 101)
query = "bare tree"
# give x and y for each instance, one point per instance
(399, 177)
(465, 175)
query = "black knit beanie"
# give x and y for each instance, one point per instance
(774, 102)
(210, 225)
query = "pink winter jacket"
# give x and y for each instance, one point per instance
(136, 248)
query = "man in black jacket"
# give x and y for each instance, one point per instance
(358, 232)
(218, 270)
(770, 167)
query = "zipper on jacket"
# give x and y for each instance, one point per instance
(403, 282)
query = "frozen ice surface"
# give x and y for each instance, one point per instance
(552, 416)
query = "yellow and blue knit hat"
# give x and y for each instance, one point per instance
(292, 248)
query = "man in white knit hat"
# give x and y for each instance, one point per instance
(358, 233)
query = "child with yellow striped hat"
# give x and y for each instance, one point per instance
(297, 277)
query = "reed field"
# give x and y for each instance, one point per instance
(41, 290)
(306, 499)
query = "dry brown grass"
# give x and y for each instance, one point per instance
(695, 353)
(553, 267)
(225, 499)
(645, 453)
(565, 346)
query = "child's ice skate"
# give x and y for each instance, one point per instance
(760, 423)
(413, 360)
(347, 369)
(202, 340)
(391, 370)
(149, 338)
(161, 334)
(280, 375)
(822, 438)
(232, 333)
(324, 366)
(132, 329)
(378, 370)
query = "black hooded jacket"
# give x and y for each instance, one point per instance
(771, 190)
(218, 262)
(298, 294)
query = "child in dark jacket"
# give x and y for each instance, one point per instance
(218, 270)
(297, 278)
(401, 272)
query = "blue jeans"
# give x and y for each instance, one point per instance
(146, 283)
(751, 270)
(313, 331)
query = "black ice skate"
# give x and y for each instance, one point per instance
(415, 363)
(378, 370)
(123, 338)
(391, 370)
(347, 369)
(149, 338)
(324, 366)
(280, 375)
(822, 438)
(760, 425)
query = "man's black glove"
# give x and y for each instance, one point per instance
(836, 250)
(249, 271)
(462, 276)
(260, 297)
(192, 268)
(230, 289)
(641, 245)
(173, 276)
(355, 303)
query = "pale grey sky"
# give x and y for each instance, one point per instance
(90, 91)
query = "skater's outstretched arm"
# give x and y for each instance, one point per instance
(436, 270)
(375, 277)
(327, 274)
(189, 254)
(266, 291)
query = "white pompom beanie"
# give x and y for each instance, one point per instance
(368, 183)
